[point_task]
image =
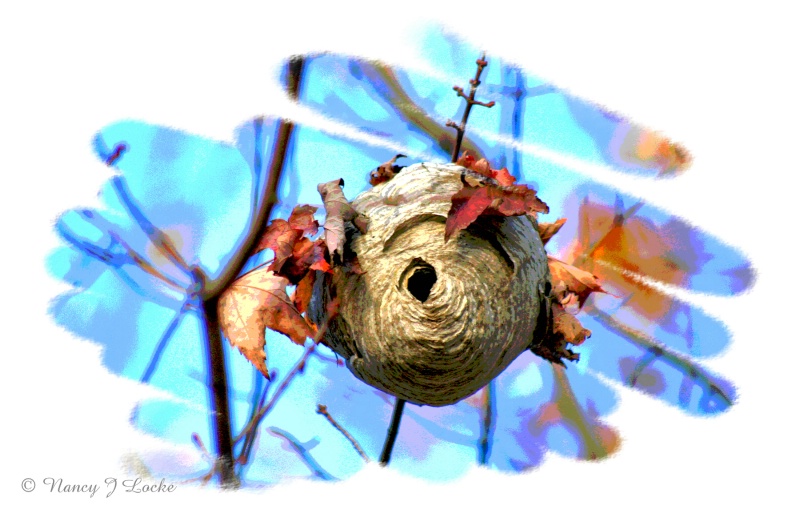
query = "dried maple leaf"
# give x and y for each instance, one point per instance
(385, 171)
(619, 249)
(568, 327)
(302, 294)
(252, 304)
(338, 212)
(476, 199)
(281, 236)
(295, 254)
(564, 329)
(501, 176)
(548, 230)
(575, 280)
(302, 219)
(306, 255)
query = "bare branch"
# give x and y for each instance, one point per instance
(301, 450)
(251, 426)
(470, 99)
(487, 423)
(323, 410)
(217, 372)
(391, 434)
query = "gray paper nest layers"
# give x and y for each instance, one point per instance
(483, 291)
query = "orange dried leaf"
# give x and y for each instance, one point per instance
(302, 219)
(385, 171)
(302, 294)
(614, 249)
(252, 304)
(548, 230)
(577, 281)
(569, 327)
(279, 237)
(306, 255)
(502, 176)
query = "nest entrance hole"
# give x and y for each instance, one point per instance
(421, 281)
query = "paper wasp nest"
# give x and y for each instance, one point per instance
(432, 321)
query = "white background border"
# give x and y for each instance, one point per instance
(716, 79)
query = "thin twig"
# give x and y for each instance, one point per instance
(388, 87)
(391, 434)
(250, 438)
(461, 128)
(302, 451)
(269, 194)
(252, 425)
(658, 350)
(323, 410)
(571, 409)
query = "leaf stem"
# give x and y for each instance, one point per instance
(391, 434)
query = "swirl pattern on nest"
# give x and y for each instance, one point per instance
(428, 321)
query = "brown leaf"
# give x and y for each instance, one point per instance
(385, 171)
(473, 201)
(281, 236)
(253, 303)
(302, 219)
(568, 327)
(502, 176)
(577, 281)
(306, 255)
(564, 329)
(548, 230)
(337, 212)
(302, 294)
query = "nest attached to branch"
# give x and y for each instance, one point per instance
(431, 321)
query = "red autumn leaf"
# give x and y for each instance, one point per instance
(252, 304)
(306, 255)
(385, 171)
(575, 280)
(548, 230)
(502, 176)
(475, 200)
(302, 219)
(337, 212)
(281, 236)
(302, 294)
